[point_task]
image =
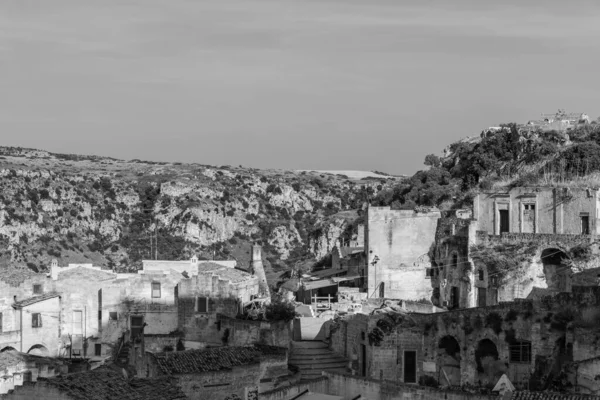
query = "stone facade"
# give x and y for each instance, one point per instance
(96, 307)
(475, 346)
(538, 210)
(397, 247)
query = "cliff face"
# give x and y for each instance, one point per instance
(115, 213)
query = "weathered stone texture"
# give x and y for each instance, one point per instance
(400, 241)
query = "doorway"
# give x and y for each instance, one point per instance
(504, 221)
(410, 366)
(363, 353)
(136, 322)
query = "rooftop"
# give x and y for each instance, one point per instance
(214, 359)
(108, 383)
(13, 357)
(226, 273)
(36, 299)
(526, 395)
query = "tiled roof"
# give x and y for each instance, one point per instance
(226, 273)
(36, 299)
(526, 395)
(215, 359)
(108, 383)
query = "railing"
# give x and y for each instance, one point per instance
(319, 303)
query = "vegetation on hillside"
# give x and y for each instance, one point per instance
(114, 213)
(504, 159)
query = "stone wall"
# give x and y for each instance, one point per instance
(401, 241)
(557, 210)
(43, 340)
(319, 385)
(247, 332)
(469, 346)
(220, 384)
(349, 386)
(202, 327)
(38, 390)
(160, 343)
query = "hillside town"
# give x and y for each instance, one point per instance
(497, 301)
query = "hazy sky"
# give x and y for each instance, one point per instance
(296, 84)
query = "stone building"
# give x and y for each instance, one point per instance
(214, 290)
(220, 373)
(513, 243)
(527, 340)
(538, 210)
(397, 247)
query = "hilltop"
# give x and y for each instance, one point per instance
(510, 155)
(114, 213)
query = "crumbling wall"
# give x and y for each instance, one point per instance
(247, 332)
(397, 249)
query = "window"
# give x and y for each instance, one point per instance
(136, 323)
(520, 352)
(36, 320)
(202, 304)
(454, 297)
(0, 322)
(112, 316)
(585, 224)
(454, 260)
(504, 221)
(481, 297)
(37, 289)
(77, 322)
(528, 218)
(97, 349)
(155, 290)
(481, 275)
(428, 273)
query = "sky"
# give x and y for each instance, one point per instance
(287, 84)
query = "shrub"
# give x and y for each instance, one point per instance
(280, 310)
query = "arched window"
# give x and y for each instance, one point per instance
(454, 260)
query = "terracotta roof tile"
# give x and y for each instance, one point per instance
(108, 383)
(36, 299)
(214, 359)
(526, 395)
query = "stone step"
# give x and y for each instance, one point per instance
(309, 351)
(309, 344)
(315, 357)
(319, 365)
(312, 374)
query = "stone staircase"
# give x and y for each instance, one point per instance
(312, 356)
(123, 356)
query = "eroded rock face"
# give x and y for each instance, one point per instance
(106, 211)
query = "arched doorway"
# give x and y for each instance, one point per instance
(489, 368)
(556, 270)
(38, 350)
(448, 360)
(7, 348)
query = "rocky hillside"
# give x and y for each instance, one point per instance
(115, 213)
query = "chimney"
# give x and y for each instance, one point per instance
(257, 268)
